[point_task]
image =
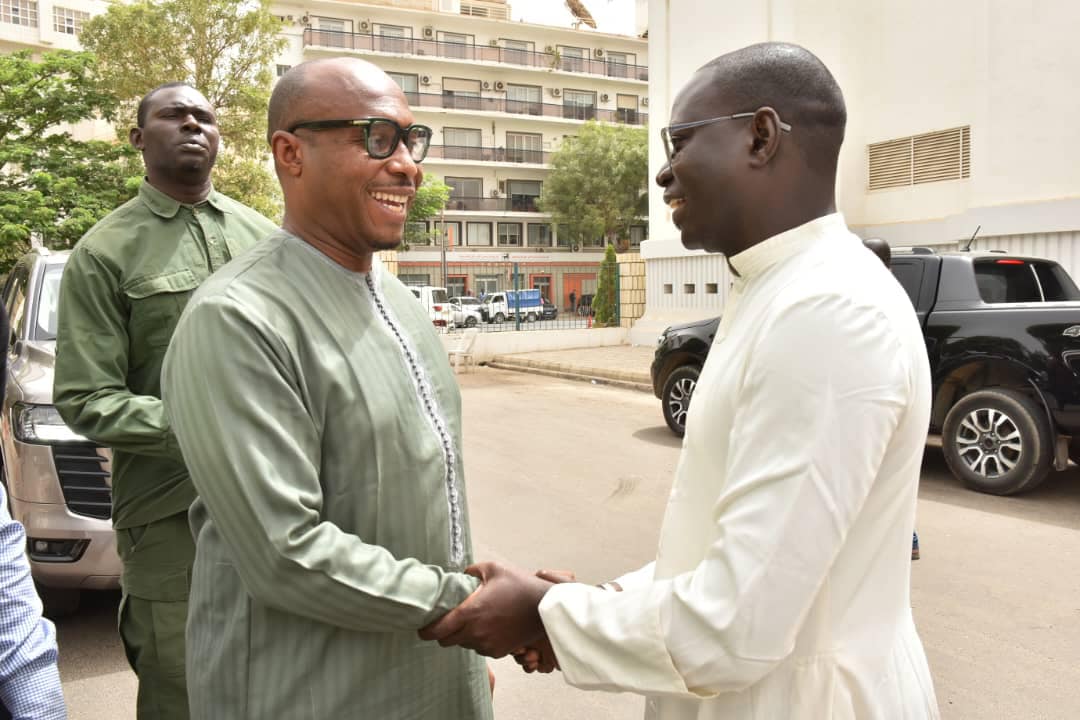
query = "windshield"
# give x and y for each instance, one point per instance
(48, 297)
(438, 295)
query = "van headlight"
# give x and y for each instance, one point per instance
(41, 425)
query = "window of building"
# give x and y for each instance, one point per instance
(462, 144)
(509, 234)
(393, 38)
(456, 285)
(461, 94)
(524, 194)
(524, 147)
(579, 105)
(541, 283)
(918, 159)
(540, 235)
(448, 232)
(332, 32)
(619, 64)
(486, 284)
(712, 288)
(414, 278)
(465, 193)
(478, 234)
(518, 52)
(626, 109)
(669, 288)
(68, 21)
(408, 83)
(638, 234)
(455, 45)
(524, 99)
(573, 58)
(282, 69)
(19, 12)
(689, 288)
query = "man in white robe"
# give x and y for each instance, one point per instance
(781, 587)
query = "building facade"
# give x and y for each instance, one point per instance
(954, 124)
(500, 96)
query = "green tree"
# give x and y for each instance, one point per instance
(223, 48)
(605, 302)
(597, 182)
(52, 186)
(430, 199)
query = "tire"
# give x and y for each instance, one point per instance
(499, 317)
(531, 317)
(59, 602)
(676, 396)
(470, 322)
(998, 442)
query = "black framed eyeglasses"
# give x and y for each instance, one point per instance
(381, 135)
(665, 133)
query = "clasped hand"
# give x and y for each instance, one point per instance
(501, 617)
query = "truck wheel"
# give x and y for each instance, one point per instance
(998, 441)
(531, 317)
(499, 317)
(675, 399)
(470, 322)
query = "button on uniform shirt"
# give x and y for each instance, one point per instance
(122, 292)
(322, 425)
(781, 587)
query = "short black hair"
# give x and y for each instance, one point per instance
(793, 81)
(144, 104)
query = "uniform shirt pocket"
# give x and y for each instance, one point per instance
(156, 303)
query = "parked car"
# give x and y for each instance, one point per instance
(464, 315)
(436, 302)
(468, 301)
(550, 311)
(57, 482)
(1003, 337)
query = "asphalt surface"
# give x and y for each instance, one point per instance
(565, 474)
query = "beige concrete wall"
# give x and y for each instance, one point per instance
(389, 260)
(485, 346)
(631, 288)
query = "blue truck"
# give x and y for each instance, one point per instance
(525, 304)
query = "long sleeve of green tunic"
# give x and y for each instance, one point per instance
(321, 425)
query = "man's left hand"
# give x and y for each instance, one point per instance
(502, 615)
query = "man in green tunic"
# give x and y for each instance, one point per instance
(123, 290)
(322, 425)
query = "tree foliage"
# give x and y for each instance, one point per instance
(52, 186)
(605, 303)
(430, 199)
(223, 48)
(597, 182)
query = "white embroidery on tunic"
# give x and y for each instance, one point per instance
(435, 416)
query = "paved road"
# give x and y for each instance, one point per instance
(566, 474)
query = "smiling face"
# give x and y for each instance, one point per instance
(179, 138)
(703, 182)
(361, 202)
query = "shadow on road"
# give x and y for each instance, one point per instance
(659, 435)
(1055, 502)
(89, 643)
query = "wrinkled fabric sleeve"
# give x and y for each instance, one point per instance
(253, 451)
(29, 679)
(90, 387)
(792, 493)
(637, 578)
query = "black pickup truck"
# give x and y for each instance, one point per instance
(1003, 336)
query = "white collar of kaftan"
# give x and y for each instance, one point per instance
(757, 259)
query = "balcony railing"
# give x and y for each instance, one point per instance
(452, 101)
(489, 154)
(514, 203)
(461, 51)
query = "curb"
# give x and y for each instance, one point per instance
(570, 373)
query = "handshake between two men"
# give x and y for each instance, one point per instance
(502, 616)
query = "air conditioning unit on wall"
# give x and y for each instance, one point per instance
(495, 193)
(486, 85)
(500, 85)
(604, 97)
(556, 92)
(365, 25)
(645, 101)
(425, 79)
(599, 52)
(429, 32)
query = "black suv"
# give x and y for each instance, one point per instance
(1003, 338)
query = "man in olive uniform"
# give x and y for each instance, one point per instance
(123, 290)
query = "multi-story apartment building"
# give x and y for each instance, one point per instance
(954, 124)
(500, 96)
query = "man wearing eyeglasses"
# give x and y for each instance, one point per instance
(781, 585)
(123, 290)
(322, 425)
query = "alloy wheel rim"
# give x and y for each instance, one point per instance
(679, 399)
(988, 442)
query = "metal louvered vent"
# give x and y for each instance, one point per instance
(83, 480)
(918, 159)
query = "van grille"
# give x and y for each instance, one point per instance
(83, 480)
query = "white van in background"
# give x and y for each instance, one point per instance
(436, 302)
